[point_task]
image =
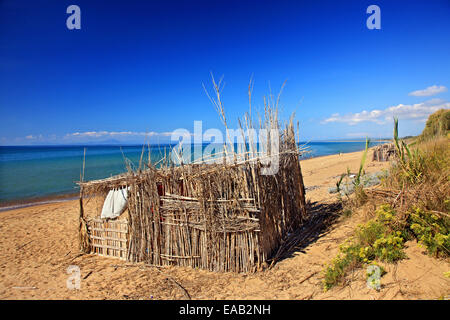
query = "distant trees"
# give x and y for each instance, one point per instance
(438, 124)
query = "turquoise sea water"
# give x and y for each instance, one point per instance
(28, 172)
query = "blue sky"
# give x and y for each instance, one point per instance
(137, 67)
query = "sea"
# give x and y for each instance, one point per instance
(34, 174)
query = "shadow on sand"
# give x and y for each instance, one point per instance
(321, 216)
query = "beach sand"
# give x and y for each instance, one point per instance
(40, 242)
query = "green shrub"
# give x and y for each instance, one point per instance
(383, 238)
(432, 231)
(386, 214)
(336, 271)
(379, 242)
(389, 248)
(375, 240)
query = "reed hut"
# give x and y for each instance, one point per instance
(384, 152)
(225, 216)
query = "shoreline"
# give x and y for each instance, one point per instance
(36, 201)
(9, 205)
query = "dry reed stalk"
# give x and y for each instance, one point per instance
(83, 235)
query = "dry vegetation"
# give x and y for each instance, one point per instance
(412, 203)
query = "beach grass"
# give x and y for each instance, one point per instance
(413, 203)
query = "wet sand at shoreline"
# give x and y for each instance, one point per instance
(24, 203)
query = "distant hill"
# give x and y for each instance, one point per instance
(105, 142)
(438, 124)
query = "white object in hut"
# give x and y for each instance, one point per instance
(115, 203)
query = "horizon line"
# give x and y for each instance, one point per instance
(118, 144)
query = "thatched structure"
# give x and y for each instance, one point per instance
(384, 152)
(221, 217)
(226, 216)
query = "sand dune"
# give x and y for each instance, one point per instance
(40, 242)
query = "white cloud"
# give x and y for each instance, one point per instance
(357, 134)
(430, 91)
(418, 111)
(115, 134)
(92, 136)
(31, 137)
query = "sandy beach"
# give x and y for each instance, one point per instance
(40, 242)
